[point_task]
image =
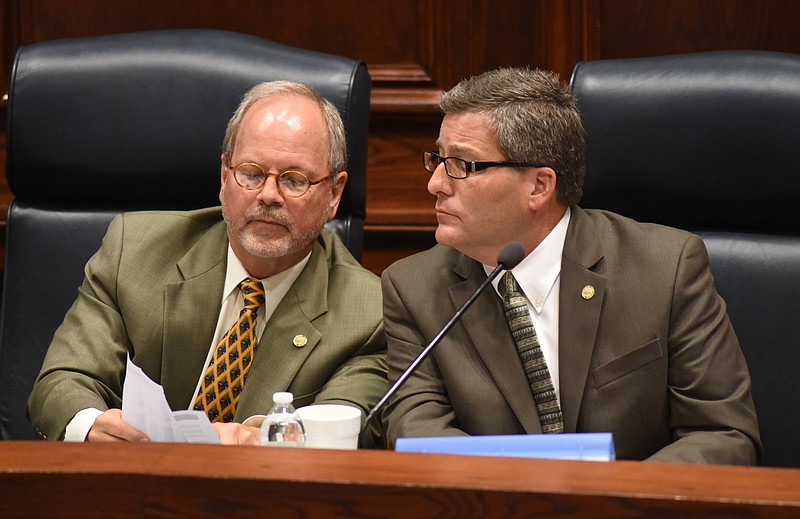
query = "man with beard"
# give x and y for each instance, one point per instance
(224, 306)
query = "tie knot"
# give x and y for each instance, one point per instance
(508, 285)
(253, 292)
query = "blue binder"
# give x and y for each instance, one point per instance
(580, 446)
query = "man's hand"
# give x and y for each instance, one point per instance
(236, 433)
(110, 427)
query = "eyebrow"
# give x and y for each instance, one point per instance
(293, 167)
(458, 148)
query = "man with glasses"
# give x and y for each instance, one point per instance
(606, 325)
(224, 306)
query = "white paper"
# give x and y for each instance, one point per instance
(145, 407)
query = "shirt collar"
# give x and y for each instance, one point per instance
(276, 285)
(537, 273)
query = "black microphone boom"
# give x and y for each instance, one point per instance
(510, 255)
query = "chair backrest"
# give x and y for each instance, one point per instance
(709, 142)
(101, 125)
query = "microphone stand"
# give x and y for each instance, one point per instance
(422, 356)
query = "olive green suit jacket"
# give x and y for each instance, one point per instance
(649, 355)
(154, 290)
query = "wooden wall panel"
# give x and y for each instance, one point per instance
(369, 30)
(414, 50)
(633, 28)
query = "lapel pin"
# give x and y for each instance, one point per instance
(587, 292)
(299, 340)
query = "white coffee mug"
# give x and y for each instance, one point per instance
(331, 426)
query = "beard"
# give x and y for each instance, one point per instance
(270, 241)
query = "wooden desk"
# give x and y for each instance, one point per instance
(42, 479)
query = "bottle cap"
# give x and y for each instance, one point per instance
(282, 397)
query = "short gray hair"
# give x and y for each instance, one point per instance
(337, 142)
(535, 119)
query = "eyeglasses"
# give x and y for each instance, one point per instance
(291, 184)
(460, 168)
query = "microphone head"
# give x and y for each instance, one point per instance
(510, 255)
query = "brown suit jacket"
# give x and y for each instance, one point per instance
(651, 357)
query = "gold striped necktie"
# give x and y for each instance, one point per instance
(226, 374)
(539, 380)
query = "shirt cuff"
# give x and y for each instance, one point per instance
(78, 428)
(255, 421)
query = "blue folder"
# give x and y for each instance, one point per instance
(580, 446)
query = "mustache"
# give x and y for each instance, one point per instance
(268, 212)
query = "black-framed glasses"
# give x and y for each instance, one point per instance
(460, 168)
(291, 184)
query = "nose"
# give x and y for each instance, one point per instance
(269, 193)
(439, 182)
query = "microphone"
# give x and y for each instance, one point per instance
(510, 256)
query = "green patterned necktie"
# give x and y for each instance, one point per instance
(223, 381)
(519, 320)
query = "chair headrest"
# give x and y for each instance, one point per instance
(140, 117)
(703, 141)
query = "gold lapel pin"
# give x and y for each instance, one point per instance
(299, 340)
(587, 292)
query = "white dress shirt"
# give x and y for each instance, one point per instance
(539, 277)
(275, 287)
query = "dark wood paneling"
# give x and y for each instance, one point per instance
(373, 31)
(388, 243)
(396, 189)
(633, 28)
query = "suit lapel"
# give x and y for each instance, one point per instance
(488, 331)
(579, 312)
(279, 359)
(187, 334)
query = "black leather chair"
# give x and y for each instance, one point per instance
(97, 126)
(710, 142)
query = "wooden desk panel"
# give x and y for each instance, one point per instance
(40, 479)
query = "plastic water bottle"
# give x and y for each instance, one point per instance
(282, 426)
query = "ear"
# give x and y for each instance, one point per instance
(542, 187)
(223, 176)
(337, 190)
